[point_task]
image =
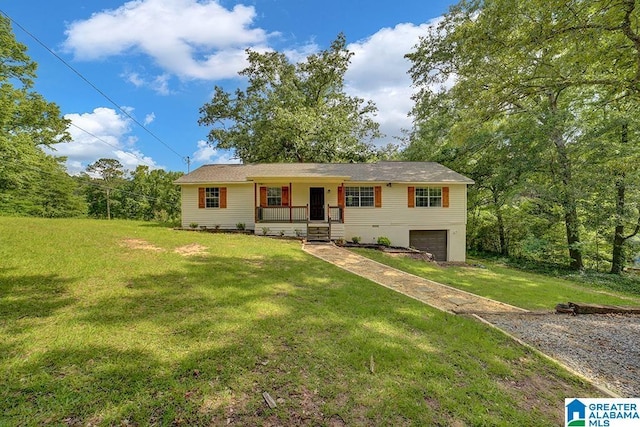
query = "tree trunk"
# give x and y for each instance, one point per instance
(568, 199)
(617, 263)
(108, 204)
(617, 258)
(504, 249)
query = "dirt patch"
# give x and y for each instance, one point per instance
(543, 390)
(420, 256)
(190, 250)
(141, 245)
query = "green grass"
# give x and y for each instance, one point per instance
(492, 279)
(99, 329)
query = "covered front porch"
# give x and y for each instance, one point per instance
(299, 214)
(314, 210)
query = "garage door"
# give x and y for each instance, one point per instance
(432, 241)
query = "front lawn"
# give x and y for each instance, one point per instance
(124, 323)
(533, 291)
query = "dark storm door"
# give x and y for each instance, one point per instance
(316, 203)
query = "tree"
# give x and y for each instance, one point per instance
(293, 112)
(31, 181)
(511, 58)
(609, 143)
(110, 172)
(151, 195)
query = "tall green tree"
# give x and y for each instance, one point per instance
(151, 195)
(293, 112)
(533, 59)
(109, 173)
(610, 145)
(31, 181)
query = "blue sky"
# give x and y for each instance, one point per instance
(158, 60)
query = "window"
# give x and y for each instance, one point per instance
(359, 196)
(274, 196)
(212, 197)
(428, 197)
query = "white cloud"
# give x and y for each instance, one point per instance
(103, 133)
(149, 118)
(378, 71)
(300, 53)
(188, 38)
(135, 79)
(207, 154)
(159, 83)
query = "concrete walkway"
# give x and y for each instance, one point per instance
(435, 294)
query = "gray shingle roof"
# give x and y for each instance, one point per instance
(422, 172)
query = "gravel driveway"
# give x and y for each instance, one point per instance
(604, 348)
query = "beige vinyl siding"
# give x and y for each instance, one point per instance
(395, 219)
(239, 207)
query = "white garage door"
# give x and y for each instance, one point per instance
(432, 241)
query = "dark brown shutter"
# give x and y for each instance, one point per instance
(377, 193)
(223, 197)
(285, 196)
(263, 196)
(445, 197)
(341, 196)
(411, 197)
(201, 203)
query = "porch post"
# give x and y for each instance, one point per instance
(255, 206)
(342, 202)
(290, 204)
(329, 219)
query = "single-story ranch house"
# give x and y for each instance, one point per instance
(417, 204)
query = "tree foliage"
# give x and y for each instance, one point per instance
(31, 181)
(293, 112)
(142, 194)
(506, 86)
(110, 172)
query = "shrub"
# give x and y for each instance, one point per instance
(265, 231)
(355, 239)
(384, 241)
(240, 226)
(193, 225)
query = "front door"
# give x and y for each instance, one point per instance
(316, 203)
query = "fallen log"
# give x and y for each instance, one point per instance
(582, 308)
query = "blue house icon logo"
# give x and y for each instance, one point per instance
(576, 414)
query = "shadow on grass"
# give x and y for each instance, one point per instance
(31, 296)
(200, 348)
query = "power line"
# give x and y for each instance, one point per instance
(91, 84)
(115, 146)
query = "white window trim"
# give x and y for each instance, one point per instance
(214, 199)
(359, 196)
(428, 197)
(277, 190)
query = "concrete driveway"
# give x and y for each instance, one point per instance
(435, 294)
